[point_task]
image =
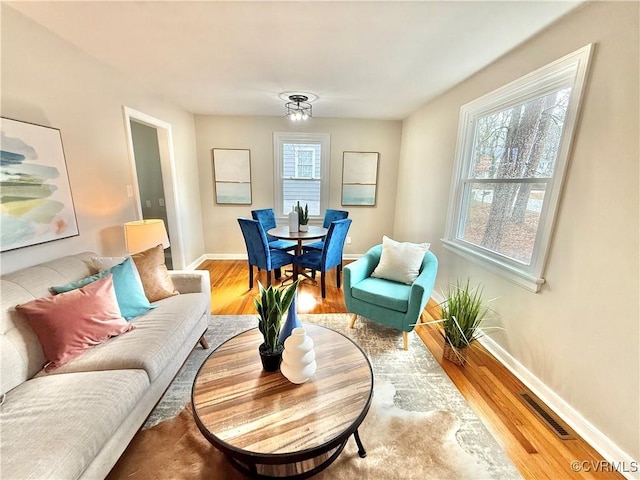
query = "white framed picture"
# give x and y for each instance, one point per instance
(359, 178)
(232, 175)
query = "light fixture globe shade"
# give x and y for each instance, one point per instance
(141, 235)
(298, 107)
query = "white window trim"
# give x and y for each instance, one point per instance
(279, 139)
(570, 70)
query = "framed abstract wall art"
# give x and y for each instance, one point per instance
(359, 178)
(36, 205)
(232, 175)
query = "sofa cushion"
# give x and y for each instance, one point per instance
(71, 323)
(154, 274)
(400, 261)
(128, 287)
(53, 427)
(103, 263)
(377, 291)
(22, 355)
(151, 346)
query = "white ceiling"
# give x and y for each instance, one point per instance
(362, 59)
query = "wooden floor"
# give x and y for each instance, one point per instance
(491, 390)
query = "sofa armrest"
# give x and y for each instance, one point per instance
(191, 281)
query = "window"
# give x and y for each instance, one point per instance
(305, 160)
(301, 172)
(512, 152)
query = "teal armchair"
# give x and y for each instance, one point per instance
(393, 304)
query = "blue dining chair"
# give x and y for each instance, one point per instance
(329, 216)
(267, 219)
(258, 251)
(329, 257)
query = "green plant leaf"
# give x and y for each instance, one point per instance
(270, 304)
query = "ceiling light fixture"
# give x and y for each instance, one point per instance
(298, 107)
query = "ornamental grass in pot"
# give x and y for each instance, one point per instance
(462, 312)
(271, 304)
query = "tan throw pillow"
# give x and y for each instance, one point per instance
(400, 261)
(153, 272)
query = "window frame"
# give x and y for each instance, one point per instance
(568, 71)
(313, 163)
(279, 139)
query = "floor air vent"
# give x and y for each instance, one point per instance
(548, 418)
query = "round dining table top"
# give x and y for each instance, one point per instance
(283, 233)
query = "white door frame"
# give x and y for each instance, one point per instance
(167, 161)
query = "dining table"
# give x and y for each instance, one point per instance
(313, 233)
(283, 233)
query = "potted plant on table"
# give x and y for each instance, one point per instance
(271, 304)
(303, 217)
(462, 312)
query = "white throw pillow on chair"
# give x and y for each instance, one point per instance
(400, 261)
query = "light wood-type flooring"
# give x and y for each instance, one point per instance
(491, 390)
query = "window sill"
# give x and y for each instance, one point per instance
(523, 279)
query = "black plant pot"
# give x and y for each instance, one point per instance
(270, 360)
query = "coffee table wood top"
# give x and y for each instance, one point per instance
(244, 410)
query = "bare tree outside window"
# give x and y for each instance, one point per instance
(511, 157)
(518, 147)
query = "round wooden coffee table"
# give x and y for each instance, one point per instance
(269, 427)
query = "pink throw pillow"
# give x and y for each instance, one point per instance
(73, 322)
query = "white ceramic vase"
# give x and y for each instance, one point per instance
(293, 220)
(298, 357)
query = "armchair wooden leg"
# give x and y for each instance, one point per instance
(354, 316)
(338, 272)
(204, 343)
(250, 277)
(405, 337)
(268, 278)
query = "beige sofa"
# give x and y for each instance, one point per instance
(76, 421)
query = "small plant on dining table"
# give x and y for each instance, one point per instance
(303, 214)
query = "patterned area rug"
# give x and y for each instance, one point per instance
(420, 383)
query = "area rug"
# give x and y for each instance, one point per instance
(436, 434)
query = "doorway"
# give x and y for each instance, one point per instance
(152, 173)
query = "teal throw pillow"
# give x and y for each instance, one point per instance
(127, 284)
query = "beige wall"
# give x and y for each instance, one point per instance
(580, 334)
(47, 81)
(222, 233)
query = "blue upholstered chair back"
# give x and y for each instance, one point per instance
(256, 241)
(267, 218)
(333, 215)
(334, 243)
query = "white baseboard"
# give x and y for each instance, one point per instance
(193, 265)
(628, 467)
(243, 256)
(594, 437)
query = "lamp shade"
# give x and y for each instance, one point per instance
(141, 235)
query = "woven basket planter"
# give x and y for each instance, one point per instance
(455, 355)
